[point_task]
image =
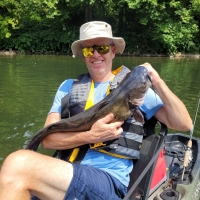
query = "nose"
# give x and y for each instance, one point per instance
(96, 54)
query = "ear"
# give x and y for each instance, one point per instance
(113, 48)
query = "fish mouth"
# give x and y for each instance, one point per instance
(138, 102)
(148, 81)
(149, 78)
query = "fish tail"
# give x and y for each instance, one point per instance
(33, 145)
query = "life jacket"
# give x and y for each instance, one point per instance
(128, 145)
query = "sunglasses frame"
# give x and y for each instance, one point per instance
(89, 51)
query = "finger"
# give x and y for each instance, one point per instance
(119, 131)
(146, 64)
(118, 123)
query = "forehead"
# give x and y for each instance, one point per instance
(96, 41)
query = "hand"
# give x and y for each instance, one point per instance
(103, 130)
(153, 73)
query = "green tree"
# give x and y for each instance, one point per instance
(148, 26)
(8, 17)
(14, 13)
(169, 26)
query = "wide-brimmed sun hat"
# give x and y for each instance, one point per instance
(96, 29)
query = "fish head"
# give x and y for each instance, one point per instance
(140, 82)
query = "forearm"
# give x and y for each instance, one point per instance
(65, 140)
(176, 114)
(173, 113)
(101, 131)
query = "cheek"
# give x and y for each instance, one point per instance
(83, 59)
(113, 55)
(86, 60)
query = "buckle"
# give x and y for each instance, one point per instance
(96, 145)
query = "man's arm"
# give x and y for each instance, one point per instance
(101, 131)
(173, 113)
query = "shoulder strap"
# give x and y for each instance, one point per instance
(65, 107)
(65, 101)
(120, 73)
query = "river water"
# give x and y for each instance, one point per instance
(28, 84)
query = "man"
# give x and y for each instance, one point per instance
(98, 176)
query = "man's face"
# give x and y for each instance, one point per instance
(99, 64)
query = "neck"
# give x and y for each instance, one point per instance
(103, 78)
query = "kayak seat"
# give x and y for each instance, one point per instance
(156, 174)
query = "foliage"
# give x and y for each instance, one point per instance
(41, 37)
(148, 26)
(169, 25)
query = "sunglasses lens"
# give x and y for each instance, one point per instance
(102, 49)
(89, 51)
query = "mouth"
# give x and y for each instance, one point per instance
(97, 62)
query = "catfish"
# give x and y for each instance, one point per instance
(123, 102)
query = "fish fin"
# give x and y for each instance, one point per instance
(137, 114)
(101, 105)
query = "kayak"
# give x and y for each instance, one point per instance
(170, 180)
(172, 177)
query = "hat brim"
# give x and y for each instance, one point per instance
(117, 41)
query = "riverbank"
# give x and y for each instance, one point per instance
(177, 55)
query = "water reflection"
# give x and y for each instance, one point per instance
(28, 85)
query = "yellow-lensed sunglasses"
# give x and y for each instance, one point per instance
(89, 51)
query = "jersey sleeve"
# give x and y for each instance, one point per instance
(63, 90)
(152, 103)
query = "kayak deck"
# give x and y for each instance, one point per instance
(176, 188)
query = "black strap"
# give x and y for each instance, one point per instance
(131, 144)
(65, 154)
(80, 155)
(133, 128)
(64, 107)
